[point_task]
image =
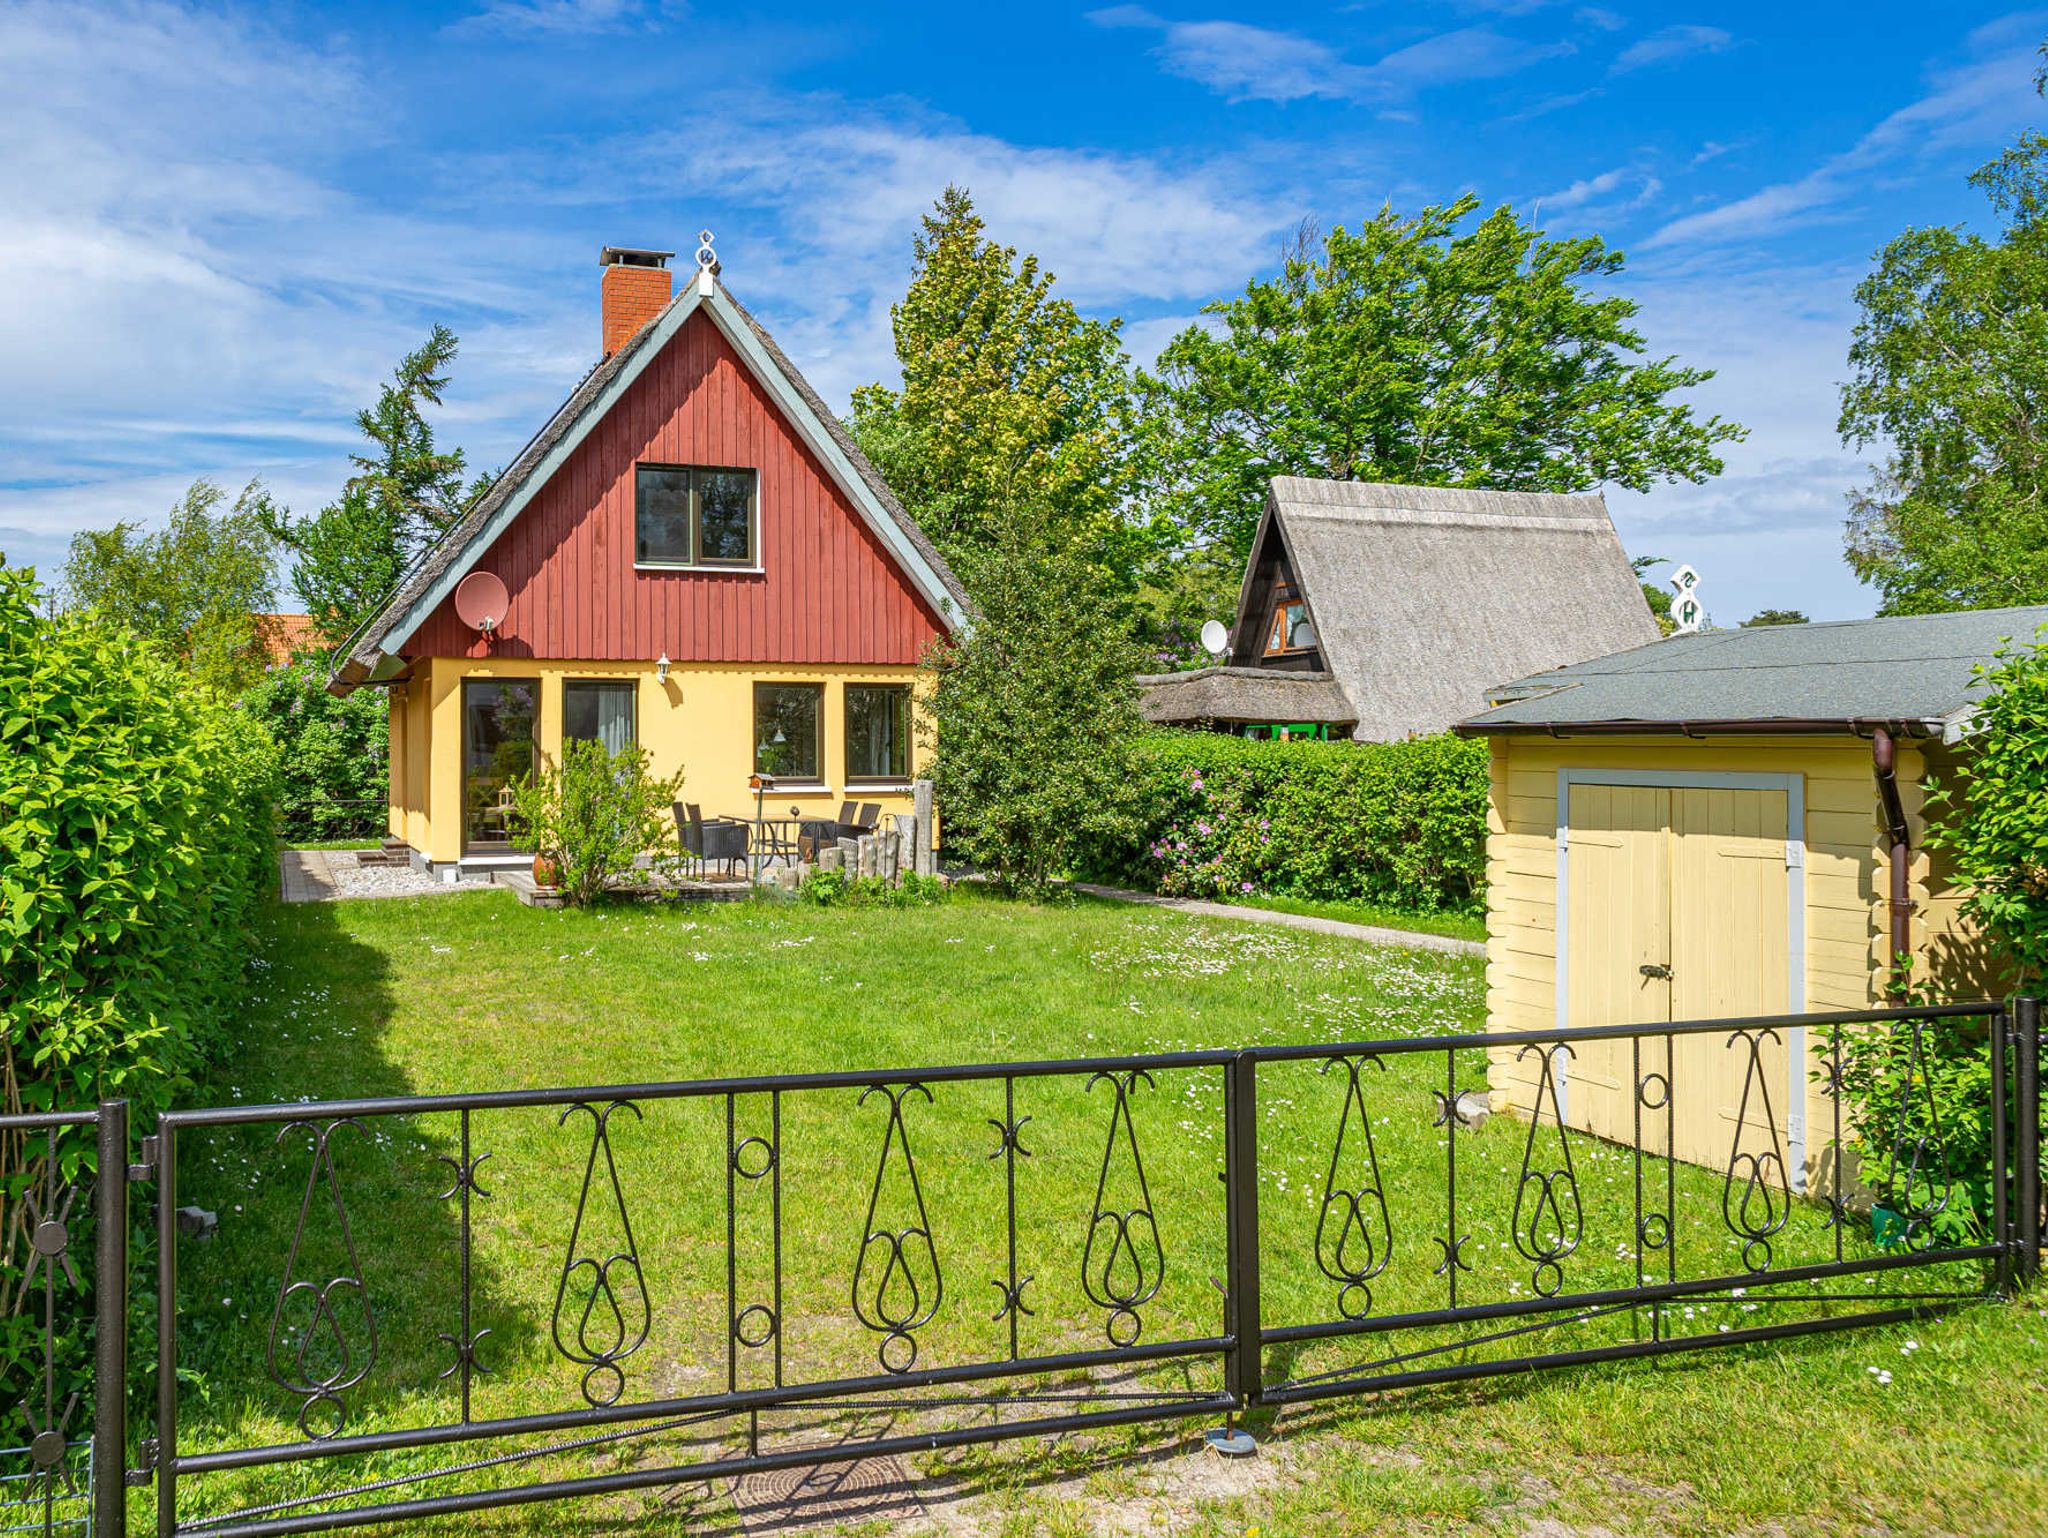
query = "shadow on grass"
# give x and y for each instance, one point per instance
(331, 1298)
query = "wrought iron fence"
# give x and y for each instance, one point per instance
(720, 1277)
(65, 1373)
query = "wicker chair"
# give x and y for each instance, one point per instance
(716, 840)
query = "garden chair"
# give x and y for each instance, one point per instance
(718, 840)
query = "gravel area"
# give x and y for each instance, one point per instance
(353, 880)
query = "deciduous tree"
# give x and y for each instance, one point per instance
(1433, 351)
(1033, 709)
(1007, 390)
(1950, 365)
(193, 588)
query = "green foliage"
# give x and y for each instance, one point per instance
(135, 843)
(1401, 823)
(1032, 711)
(193, 589)
(1421, 351)
(1917, 1108)
(406, 493)
(595, 813)
(135, 850)
(1950, 364)
(1655, 594)
(834, 889)
(334, 752)
(1992, 818)
(1005, 388)
(1775, 617)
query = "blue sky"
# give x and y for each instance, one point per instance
(220, 226)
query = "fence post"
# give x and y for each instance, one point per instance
(2027, 1133)
(1244, 1371)
(110, 1311)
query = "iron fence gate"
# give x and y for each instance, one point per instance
(702, 1279)
(62, 1462)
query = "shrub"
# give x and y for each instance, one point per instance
(1401, 823)
(1992, 819)
(1917, 1113)
(1901, 1101)
(834, 889)
(136, 845)
(136, 818)
(595, 813)
(334, 752)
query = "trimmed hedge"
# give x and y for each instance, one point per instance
(136, 840)
(1401, 823)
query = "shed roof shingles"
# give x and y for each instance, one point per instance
(1917, 669)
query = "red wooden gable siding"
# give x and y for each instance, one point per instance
(830, 592)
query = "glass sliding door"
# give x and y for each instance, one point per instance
(599, 712)
(498, 720)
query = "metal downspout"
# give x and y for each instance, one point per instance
(1883, 757)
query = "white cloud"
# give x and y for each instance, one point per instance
(1985, 99)
(1242, 62)
(561, 18)
(194, 287)
(1671, 43)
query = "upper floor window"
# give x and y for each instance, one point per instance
(694, 515)
(1291, 631)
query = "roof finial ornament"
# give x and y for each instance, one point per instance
(1687, 612)
(707, 262)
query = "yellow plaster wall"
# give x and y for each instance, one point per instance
(700, 719)
(1847, 874)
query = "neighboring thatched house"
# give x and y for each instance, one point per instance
(1384, 612)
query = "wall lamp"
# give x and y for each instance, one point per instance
(661, 668)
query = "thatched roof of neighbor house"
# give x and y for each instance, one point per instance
(1421, 599)
(1424, 598)
(1240, 696)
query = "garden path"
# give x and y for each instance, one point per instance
(1372, 934)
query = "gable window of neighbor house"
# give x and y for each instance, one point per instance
(788, 727)
(1290, 631)
(599, 712)
(695, 515)
(877, 733)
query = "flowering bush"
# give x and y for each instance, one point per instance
(1402, 823)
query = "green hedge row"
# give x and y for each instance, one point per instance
(1401, 823)
(137, 826)
(136, 842)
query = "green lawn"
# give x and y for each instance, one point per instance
(472, 992)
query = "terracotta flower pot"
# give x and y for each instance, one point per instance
(543, 870)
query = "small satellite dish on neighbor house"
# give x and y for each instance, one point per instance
(1215, 639)
(480, 600)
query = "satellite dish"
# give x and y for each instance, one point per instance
(1215, 639)
(480, 600)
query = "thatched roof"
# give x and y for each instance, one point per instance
(1240, 696)
(1425, 598)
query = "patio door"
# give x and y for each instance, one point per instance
(1678, 907)
(499, 720)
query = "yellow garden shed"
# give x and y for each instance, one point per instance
(1718, 825)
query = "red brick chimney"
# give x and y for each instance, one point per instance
(637, 285)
